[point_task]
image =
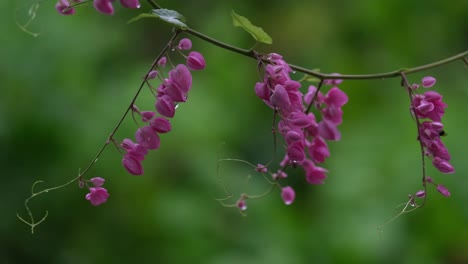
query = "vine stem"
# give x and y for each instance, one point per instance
(405, 83)
(392, 74)
(32, 223)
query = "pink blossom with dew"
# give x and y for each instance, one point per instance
(97, 181)
(428, 81)
(147, 138)
(296, 152)
(288, 195)
(147, 115)
(420, 194)
(185, 44)
(97, 195)
(160, 125)
(152, 74)
(132, 165)
(62, 5)
(443, 165)
(444, 191)
(172, 90)
(261, 168)
(242, 205)
(165, 106)
(195, 61)
(130, 3)
(104, 6)
(162, 61)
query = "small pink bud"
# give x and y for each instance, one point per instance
(152, 74)
(428, 81)
(429, 179)
(288, 195)
(414, 86)
(104, 6)
(420, 194)
(62, 5)
(185, 44)
(130, 3)
(261, 168)
(444, 191)
(195, 61)
(147, 115)
(81, 184)
(97, 181)
(160, 125)
(242, 205)
(97, 195)
(162, 61)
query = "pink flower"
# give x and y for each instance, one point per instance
(328, 130)
(132, 165)
(288, 195)
(443, 190)
(181, 78)
(195, 61)
(97, 195)
(97, 181)
(147, 138)
(62, 5)
(280, 97)
(104, 6)
(130, 3)
(428, 81)
(314, 174)
(185, 44)
(296, 152)
(429, 105)
(262, 91)
(160, 125)
(165, 106)
(443, 165)
(336, 97)
(318, 150)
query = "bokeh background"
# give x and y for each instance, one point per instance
(62, 93)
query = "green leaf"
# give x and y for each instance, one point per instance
(257, 32)
(170, 16)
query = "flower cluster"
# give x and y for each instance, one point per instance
(429, 107)
(97, 194)
(304, 135)
(172, 91)
(103, 6)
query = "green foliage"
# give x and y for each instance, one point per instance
(257, 32)
(170, 16)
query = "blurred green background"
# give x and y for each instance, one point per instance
(62, 93)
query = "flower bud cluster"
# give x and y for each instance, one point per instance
(103, 6)
(172, 91)
(305, 136)
(429, 106)
(440, 188)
